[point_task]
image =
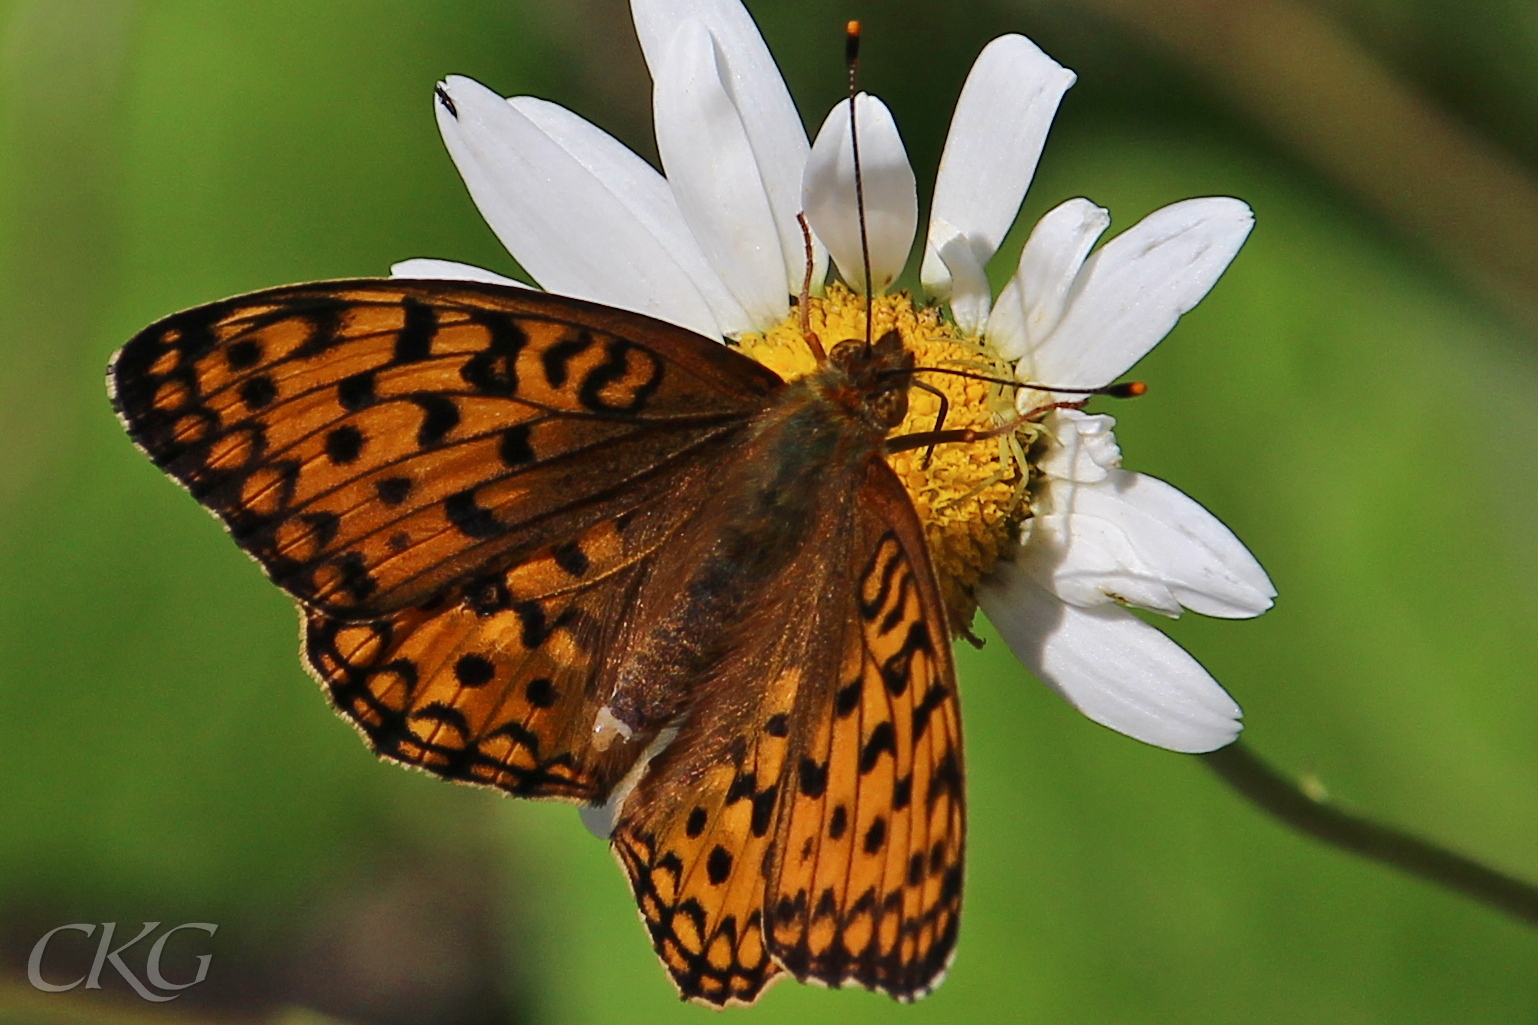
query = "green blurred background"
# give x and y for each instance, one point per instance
(1356, 398)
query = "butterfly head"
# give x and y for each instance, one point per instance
(878, 377)
(962, 484)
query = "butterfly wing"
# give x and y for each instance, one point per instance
(490, 683)
(459, 483)
(779, 832)
(865, 881)
(371, 443)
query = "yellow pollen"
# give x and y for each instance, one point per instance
(970, 497)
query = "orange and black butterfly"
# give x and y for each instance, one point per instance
(577, 553)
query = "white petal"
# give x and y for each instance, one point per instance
(1130, 293)
(1208, 568)
(995, 141)
(714, 175)
(758, 92)
(645, 194)
(1110, 665)
(423, 269)
(1082, 446)
(1135, 539)
(966, 263)
(1089, 561)
(891, 195)
(559, 221)
(1032, 303)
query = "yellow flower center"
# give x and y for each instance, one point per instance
(970, 497)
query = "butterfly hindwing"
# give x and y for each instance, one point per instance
(778, 833)
(371, 443)
(490, 683)
(694, 844)
(865, 883)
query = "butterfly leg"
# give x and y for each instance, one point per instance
(929, 439)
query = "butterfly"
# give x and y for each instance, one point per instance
(576, 553)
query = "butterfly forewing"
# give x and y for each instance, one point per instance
(371, 443)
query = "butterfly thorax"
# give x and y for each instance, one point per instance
(769, 501)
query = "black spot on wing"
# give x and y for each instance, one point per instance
(494, 370)
(933, 698)
(258, 392)
(536, 627)
(898, 668)
(882, 740)
(875, 836)
(902, 793)
(393, 490)
(439, 416)
(946, 780)
(244, 354)
(356, 392)
(557, 358)
(763, 809)
(474, 671)
(615, 369)
(323, 526)
(415, 341)
(571, 559)
(356, 579)
(344, 445)
(540, 692)
(718, 866)
(838, 822)
(469, 518)
(743, 787)
(515, 448)
(814, 778)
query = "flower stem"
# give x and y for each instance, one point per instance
(1280, 797)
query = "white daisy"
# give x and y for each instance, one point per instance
(1045, 530)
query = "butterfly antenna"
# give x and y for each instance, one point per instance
(812, 341)
(1124, 390)
(852, 61)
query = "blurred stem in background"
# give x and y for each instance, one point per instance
(1292, 70)
(1294, 805)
